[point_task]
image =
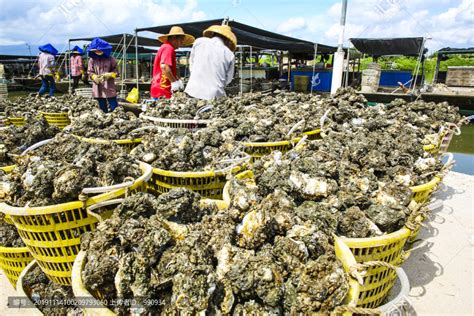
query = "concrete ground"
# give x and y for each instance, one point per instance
(440, 271)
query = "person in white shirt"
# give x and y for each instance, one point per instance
(212, 63)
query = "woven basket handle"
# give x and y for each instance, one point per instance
(34, 146)
(294, 127)
(323, 118)
(91, 208)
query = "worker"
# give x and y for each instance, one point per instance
(77, 68)
(165, 78)
(102, 70)
(46, 69)
(212, 63)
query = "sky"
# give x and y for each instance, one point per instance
(34, 22)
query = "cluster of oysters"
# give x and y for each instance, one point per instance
(272, 250)
(58, 171)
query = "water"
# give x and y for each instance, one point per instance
(462, 147)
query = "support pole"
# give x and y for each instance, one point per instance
(438, 62)
(315, 55)
(136, 56)
(241, 70)
(251, 74)
(124, 62)
(346, 83)
(338, 68)
(68, 63)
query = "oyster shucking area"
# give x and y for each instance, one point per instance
(281, 203)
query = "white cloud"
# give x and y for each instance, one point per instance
(291, 25)
(453, 26)
(52, 21)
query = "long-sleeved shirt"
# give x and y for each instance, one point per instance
(99, 66)
(76, 65)
(212, 68)
(45, 64)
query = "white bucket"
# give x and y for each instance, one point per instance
(371, 78)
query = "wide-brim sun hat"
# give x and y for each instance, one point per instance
(99, 44)
(176, 31)
(223, 30)
(48, 48)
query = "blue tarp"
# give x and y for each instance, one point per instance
(390, 78)
(321, 81)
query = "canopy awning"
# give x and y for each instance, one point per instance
(248, 35)
(450, 51)
(17, 57)
(118, 49)
(118, 39)
(406, 46)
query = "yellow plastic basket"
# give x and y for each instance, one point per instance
(342, 252)
(127, 143)
(25, 293)
(53, 233)
(165, 123)
(17, 121)
(378, 280)
(313, 135)
(209, 184)
(422, 193)
(60, 120)
(13, 260)
(388, 248)
(259, 149)
(7, 169)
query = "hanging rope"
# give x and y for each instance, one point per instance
(418, 63)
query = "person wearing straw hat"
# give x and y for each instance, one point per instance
(46, 69)
(77, 67)
(102, 70)
(165, 78)
(212, 63)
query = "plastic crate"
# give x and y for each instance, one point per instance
(422, 193)
(342, 252)
(7, 169)
(53, 233)
(60, 120)
(17, 121)
(378, 281)
(13, 260)
(127, 143)
(176, 123)
(209, 184)
(25, 293)
(259, 149)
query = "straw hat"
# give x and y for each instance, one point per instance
(223, 30)
(175, 31)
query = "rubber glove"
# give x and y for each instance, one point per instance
(175, 85)
(109, 75)
(97, 79)
(181, 84)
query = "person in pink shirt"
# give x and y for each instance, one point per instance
(77, 68)
(102, 70)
